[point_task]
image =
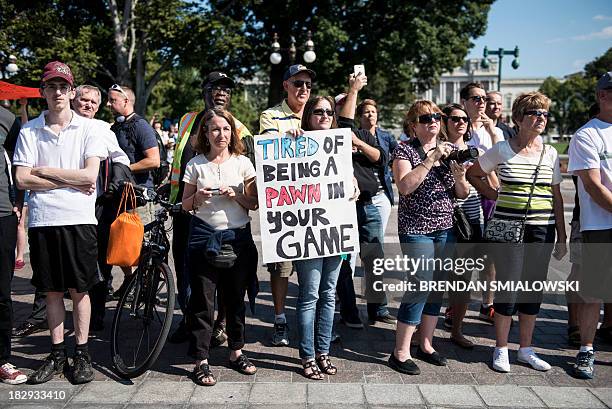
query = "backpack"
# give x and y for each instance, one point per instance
(161, 173)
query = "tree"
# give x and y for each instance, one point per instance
(599, 66)
(405, 46)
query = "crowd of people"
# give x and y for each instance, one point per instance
(68, 162)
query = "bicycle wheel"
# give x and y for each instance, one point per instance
(142, 321)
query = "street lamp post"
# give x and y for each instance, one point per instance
(8, 65)
(308, 57)
(500, 53)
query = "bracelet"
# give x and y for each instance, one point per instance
(423, 164)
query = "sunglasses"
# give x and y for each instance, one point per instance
(61, 88)
(219, 88)
(117, 87)
(478, 99)
(456, 119)
(428, 118)
(301, 83)
(321, 111)
(545, 114)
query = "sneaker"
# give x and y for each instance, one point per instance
(280, 337)
(384, 318)
(528, 356)
(218, 336)
(28, 328)
(487, 313)
(501, 363)
(19, 264)
(584, 366)
(352, 322)
(82, 372)
(50, 367)
(448, 318)
(11, 375)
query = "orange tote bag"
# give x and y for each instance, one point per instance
(126, 233)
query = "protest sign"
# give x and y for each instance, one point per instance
(304, 185)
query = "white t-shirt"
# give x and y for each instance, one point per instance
(591, 148)
(39, 146)
(110, 141)
(482, 140)
(221, 212)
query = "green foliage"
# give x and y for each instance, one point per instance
(599, 66)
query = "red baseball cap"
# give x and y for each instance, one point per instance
(56, 69)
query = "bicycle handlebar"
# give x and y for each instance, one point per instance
(151, 196)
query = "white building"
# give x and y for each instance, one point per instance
(447, 90)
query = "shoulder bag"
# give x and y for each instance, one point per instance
(511, 231)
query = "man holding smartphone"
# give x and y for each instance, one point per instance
(282, 118)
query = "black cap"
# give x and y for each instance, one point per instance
(217, 77)
(605, 82)
(296, 69)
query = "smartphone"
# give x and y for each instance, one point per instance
(214, 192)
(360, 68)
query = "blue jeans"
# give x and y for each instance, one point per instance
(316, 303)
(382, 203)
(436, 245)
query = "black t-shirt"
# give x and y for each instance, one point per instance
(363, 169)
(135, 136)
(576, 211)
(9, 131)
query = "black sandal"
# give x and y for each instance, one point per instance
(202, 372)
(314, 372)
(241, 364)
(326, 365)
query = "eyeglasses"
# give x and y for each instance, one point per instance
(428, 118)
(321, 111)
(64, 88)
(219, 88)
(545, 114)
(117, 87)
(456, 119)
(301, 83)
(478, 99)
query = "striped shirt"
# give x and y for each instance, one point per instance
(279, 118)
(516, 174)
(471, 206)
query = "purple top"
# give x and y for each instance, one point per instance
(430, 207)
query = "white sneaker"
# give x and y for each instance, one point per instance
(528, 356)
(501, 363)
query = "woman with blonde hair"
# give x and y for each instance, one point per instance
(530, 193)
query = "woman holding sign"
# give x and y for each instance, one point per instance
(317, 278)
(219, 188)
(428, 185)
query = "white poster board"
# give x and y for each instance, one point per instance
(303, 186)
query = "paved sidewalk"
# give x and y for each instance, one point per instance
(364, 379)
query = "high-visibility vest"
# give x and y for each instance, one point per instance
(185, 125)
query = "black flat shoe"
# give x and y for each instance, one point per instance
(407, 367)
(27, 328)
(434, 358)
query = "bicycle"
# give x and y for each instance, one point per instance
(144, 312)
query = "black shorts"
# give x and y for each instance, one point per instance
(64, 257)
(596, 279)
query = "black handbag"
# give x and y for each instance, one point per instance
(461, 224)
(511, 231)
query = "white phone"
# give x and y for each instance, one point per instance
(357, 69)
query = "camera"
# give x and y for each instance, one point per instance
(461, 156)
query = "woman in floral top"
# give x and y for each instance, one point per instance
(428, 187)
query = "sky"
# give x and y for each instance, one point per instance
(555, 37)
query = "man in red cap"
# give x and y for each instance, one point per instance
(57, 158)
